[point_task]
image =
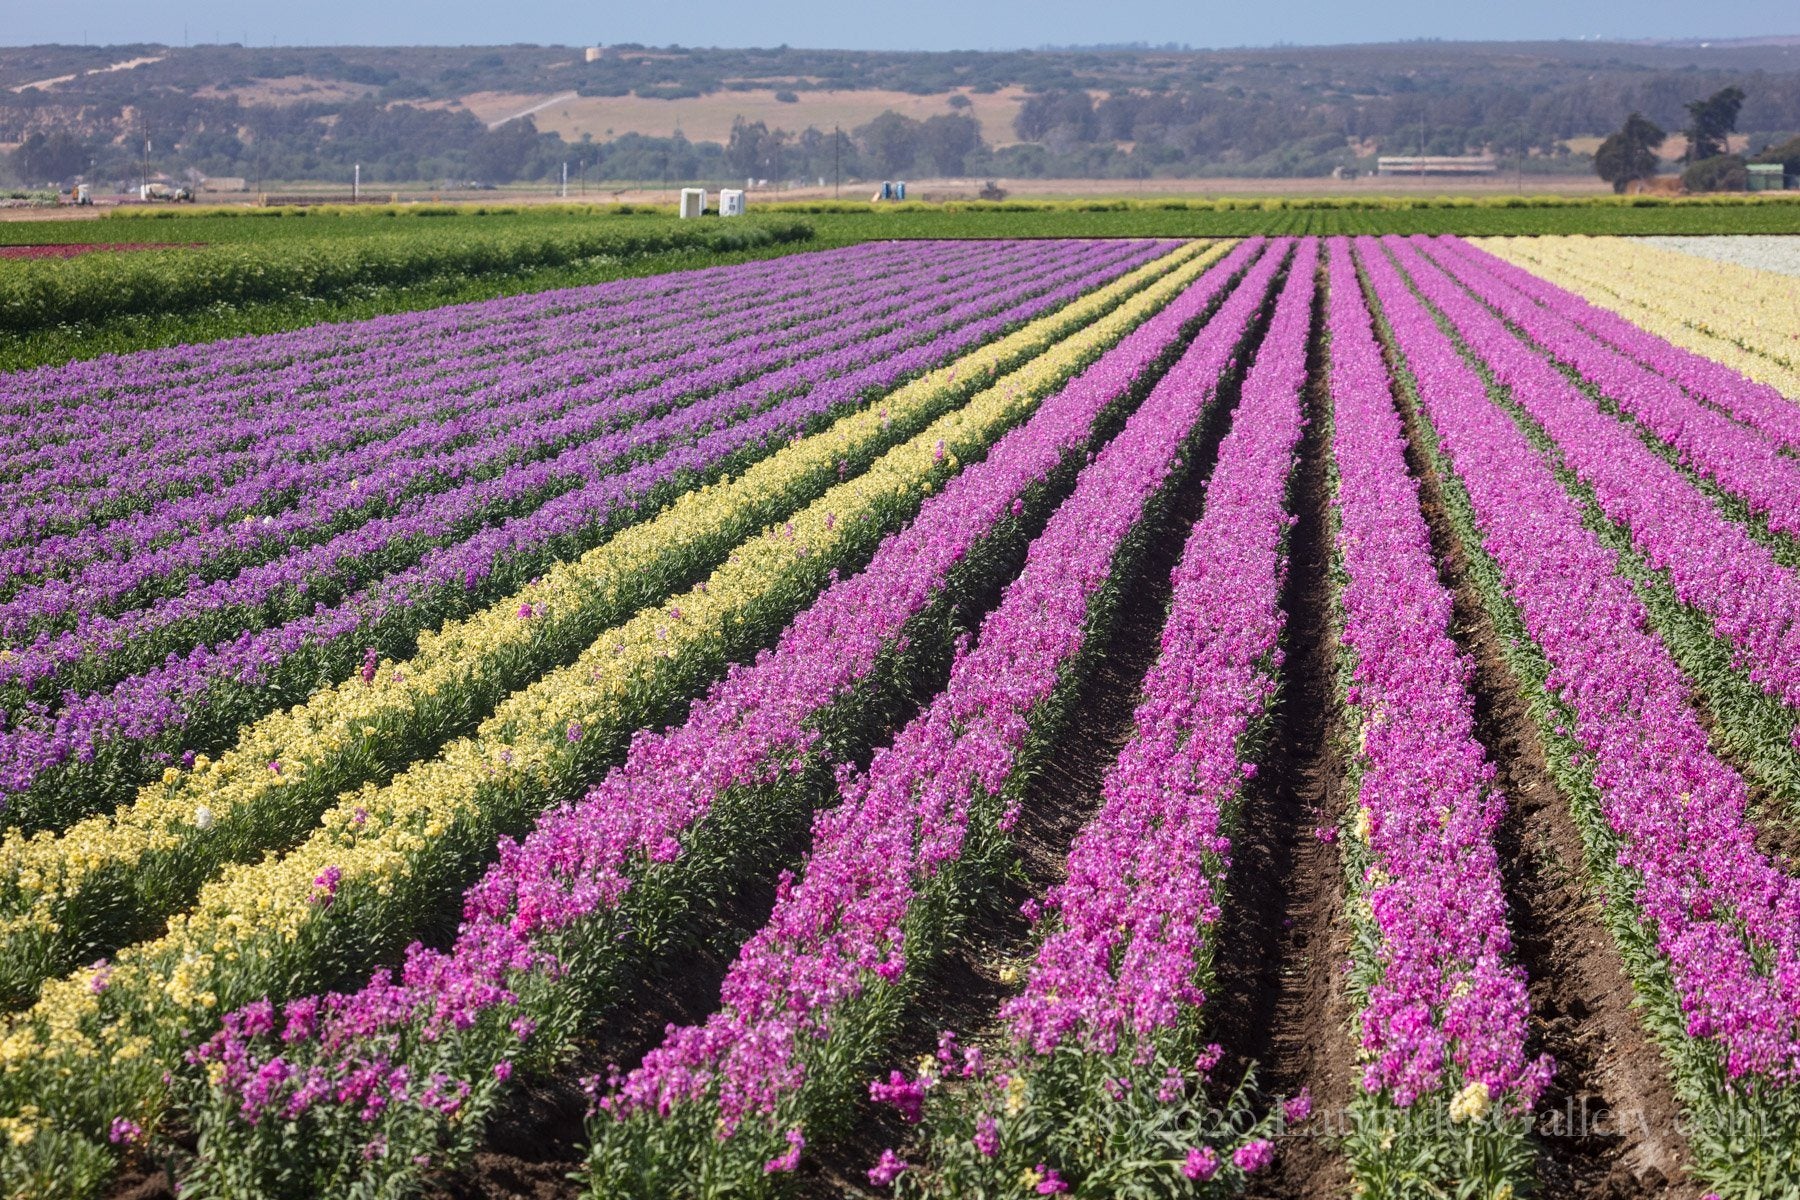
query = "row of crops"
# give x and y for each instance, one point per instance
(391, 710)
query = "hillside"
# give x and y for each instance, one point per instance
(517, 112)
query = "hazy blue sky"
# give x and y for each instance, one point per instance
(866, 24)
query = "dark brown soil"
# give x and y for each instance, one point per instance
(1278, 1001)
(1607, 1124)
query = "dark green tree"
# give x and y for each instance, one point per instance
(1630, 154)
(753, 151)
(891, 141)
(501, 155)
(948, 141)
(52, 157)
(1712, 120)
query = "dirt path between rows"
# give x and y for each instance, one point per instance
(1277, 1000)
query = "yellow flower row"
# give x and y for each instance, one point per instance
(383, 856)
(1748, 320)
(109, 878)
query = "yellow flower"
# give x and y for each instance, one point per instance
(1365, 823)
(1472, 1103)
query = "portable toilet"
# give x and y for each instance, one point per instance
(887, 190)
(693, 203)
(900, 190)
(731, 202)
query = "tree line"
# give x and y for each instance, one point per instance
(1631, 155)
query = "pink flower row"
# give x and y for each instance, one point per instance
(840, 937)
(1448, 1005)
(1725, 918)
(1714, 564)
(1128, 927)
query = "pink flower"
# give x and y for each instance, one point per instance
(906, 1095)
(1051, 1183)
(987, 1135)
(889, 1168)
(790, 1159)
(1202, 1164)
(1297, 1108)
(325, 885)
(1252, 1157)
(125, 1132)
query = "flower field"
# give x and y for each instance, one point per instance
(1281, 716)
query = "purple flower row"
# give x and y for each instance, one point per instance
(836, 942)
(1755, 404)
(1725, 919)
(1739, 459)
(1128, 927)
(303, 435)
(1445, 1004)
(213, 687)
(1713, 562)
(243, 413)
(184, 542)
(561, 888)
(293, 584)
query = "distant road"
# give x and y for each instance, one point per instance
(127, 65)
(540, 106)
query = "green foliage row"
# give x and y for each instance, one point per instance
(38, 295)
(1266, 204)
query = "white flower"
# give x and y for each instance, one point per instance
(203, 818)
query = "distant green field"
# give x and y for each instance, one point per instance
(267, 269)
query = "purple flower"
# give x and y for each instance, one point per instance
(987, 1135)
(325, 885)
(907, 1095)
(1052, 1183)
(1254, 1157)
(889, 1168)
(790, 1159)
(1201, 1164)
(125, 1132)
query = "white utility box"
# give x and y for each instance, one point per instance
(693, 203)
(731, 202)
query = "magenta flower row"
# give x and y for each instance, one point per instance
(1755, 404)
(842, 929)
(1740, 459)
(1725, 918)
(1448, 1006)
(1128, 927)
(1713, 562)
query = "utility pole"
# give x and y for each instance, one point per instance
(144, 192)
(356, 184)
(565, 187)
(837, 147)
